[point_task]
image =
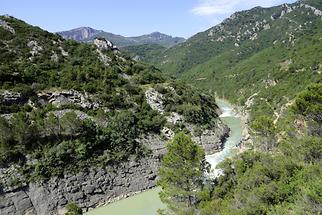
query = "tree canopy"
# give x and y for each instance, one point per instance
(182, 175)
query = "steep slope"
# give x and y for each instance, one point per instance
(86, 34)
(84, 123)
(255, 54)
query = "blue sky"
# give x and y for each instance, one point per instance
(129, 17)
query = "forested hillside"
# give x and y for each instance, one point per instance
(261, 57)
(67, 106)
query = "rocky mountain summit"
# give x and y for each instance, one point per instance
(80, 34)
(85, 123)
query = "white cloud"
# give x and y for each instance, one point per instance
(224, 7)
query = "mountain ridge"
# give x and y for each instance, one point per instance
(87, 34)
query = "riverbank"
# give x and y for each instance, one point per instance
(246, 141)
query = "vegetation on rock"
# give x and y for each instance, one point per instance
(73, 209)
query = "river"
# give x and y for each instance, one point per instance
(148, 202)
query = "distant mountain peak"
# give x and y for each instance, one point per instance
(157, 33)
(80, 33)
(83, 28)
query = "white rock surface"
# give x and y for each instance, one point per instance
(5, 25)
(154, 99)
(103, 44)
(35, 48)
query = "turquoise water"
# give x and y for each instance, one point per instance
(234, 123)
(148, 202)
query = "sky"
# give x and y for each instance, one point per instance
(129, 17)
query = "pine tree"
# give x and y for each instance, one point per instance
(182, 175)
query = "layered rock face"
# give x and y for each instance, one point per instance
(87, 189)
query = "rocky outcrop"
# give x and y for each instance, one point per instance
(5, 25)
(174, 118)
(10, 98)
(209, 138)
(154, 99)
(35, 48)
(315, 11)
(104, 59)
(246, 141)
(67, 97)
(56, 98)
(80, 114)
(212, 140)
(63, 52)
(103, 44)
(155, 143)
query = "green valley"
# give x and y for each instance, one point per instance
(227, 122)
